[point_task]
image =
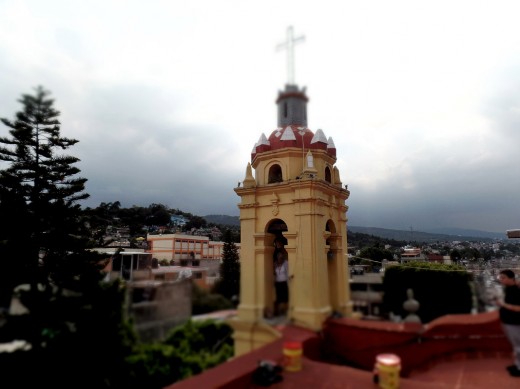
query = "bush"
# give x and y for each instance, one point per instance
(201, 345)
(205, 302)
(440, 289)
(153, 366)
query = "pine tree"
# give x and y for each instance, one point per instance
(44, 180)
(229, 283)
(71, 314)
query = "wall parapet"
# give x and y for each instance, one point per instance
(357, 343)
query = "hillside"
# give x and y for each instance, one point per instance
(445, 234)
(418, 236)
(223, 220)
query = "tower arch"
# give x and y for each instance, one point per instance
(276, 229)
(328, 175)
(275, 174)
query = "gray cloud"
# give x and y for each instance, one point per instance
(167, 100)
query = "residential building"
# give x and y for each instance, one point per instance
(179, 247)
(366, 293)
(135, 266)
(409, 253)
(159, 296)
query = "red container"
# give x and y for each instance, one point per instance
(292, 356)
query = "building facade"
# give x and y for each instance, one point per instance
(179, 247)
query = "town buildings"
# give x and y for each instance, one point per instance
(181, 247)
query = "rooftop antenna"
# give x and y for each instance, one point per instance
(289, 46)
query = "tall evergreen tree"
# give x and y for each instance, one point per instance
(44, 182)
(229, 283)
(71, 314)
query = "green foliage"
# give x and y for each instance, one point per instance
(376, 253)
(143, 220)
(229, 283)
(471, 253)
(83, 338)
(196, 222)
(455, 255)
(358, 239)
(98, 219)
(158, 215)
(205, 302)
(201, 345)
(75, 325)
(440, 289)
(188, 349)
(15, 254)
(42, 184)
(71, 315)
(153, 366)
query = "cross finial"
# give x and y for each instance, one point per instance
(289, 46)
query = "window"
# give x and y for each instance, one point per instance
(328, 175)
(275, 174)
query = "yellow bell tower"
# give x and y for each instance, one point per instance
(295, 193)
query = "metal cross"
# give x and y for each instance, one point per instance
(289, 45)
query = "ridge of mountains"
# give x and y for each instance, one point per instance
(428, 235)
(440, 234)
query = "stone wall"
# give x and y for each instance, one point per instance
(156, 307)
(213, 266)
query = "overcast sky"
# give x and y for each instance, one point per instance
(168, 98)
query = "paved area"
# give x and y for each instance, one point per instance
(485, 373)
(462, 371)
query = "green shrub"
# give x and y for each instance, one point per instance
(201, 345)
(440, 289)
(153, 366)
(205, 302)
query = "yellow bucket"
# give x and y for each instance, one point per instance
(387, 370)
(292, 356)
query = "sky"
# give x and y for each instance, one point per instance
(168, 98)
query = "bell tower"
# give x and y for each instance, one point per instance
(291, 189)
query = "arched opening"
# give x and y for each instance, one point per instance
(328, 175)
(277, 265)
(331, 229)
(331, 245)
(277, 226)
(275, 174)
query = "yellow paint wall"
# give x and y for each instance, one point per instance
(314, 212)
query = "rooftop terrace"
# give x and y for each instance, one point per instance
(452, 352)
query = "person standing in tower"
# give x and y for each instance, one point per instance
(510, 316)
(281, 276)
(278, 248)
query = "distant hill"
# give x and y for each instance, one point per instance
(223, 220)
(432, 235)
(467, 232)
(419, 236)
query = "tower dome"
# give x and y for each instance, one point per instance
(292, 128)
